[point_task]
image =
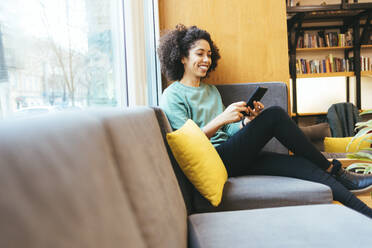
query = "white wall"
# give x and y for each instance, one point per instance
(316, 95)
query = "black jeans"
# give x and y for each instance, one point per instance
(242, 155)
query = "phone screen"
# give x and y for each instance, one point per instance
(256, 96)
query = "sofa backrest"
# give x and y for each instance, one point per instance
(277, 95)
(59, 186)
(187, 189)
(147, 175)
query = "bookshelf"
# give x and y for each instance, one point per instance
(308, 114)
(329, 74)
(366, 73)
(323, 48)
(344, 17)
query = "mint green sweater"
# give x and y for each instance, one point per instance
(201, 104)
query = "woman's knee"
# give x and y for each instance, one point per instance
(275, 111)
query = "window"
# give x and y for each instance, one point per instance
(60, 54)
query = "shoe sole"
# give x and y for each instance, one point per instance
(360, 191)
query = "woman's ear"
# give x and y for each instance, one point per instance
(183, 60)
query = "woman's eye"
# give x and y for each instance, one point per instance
(209, 55)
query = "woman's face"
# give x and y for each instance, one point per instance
(199, 60)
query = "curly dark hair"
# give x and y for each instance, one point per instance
(175, 45)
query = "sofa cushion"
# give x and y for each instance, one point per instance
(147, 175)
(250, 192)
(199, 160)
(300, 226)
(59, 186)
(339, 144)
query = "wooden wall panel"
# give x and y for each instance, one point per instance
(251, 35)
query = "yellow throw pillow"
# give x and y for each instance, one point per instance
(332, 144)
(199, 161)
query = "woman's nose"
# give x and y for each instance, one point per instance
(206, 58)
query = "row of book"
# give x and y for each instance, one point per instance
(322, 39)
(331, 64)
(327, 65)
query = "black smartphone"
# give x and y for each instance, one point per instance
(257, 94)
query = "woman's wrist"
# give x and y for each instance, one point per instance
(220, 121)
(245, 121)
(212, 127)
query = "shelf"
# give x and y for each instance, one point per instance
(366, 73)
(333, 8)
(308, 114)
(312, 49)
(330, 12)
(313, 8)
(331, 74)
(323, 49)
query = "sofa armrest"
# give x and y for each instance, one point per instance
(316, 134)
(277, 95)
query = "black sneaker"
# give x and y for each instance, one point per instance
(354, 182)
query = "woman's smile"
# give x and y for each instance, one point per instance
(204, 67)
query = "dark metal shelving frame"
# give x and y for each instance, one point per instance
(350, 14)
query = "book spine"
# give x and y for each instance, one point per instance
(339, 40)
(332, 68)
(324, 66)
(327, 65)
(327, 40)
(307, 67)
(298, 71)
(343, 64)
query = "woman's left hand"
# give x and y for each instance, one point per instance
(258, 107)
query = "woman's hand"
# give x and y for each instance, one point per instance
(233, 112)
(258, 107)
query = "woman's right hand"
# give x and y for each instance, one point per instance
(232, 112)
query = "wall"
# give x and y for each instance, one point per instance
(251, 36)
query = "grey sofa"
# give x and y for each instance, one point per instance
(105, 179)
(251, 192)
